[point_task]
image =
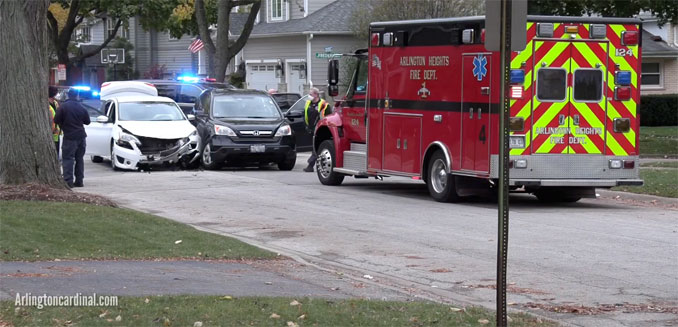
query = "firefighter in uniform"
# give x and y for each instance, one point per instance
(315, 109)
(53, 105)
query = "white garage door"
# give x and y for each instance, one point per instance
(261, 77)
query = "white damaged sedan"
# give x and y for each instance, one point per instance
(141, 128)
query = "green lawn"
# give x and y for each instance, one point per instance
(48, 230)
(659, 141)
(257, 311)
(661, 164)
(661, 182)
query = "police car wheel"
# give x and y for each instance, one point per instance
(325, 164)
(440, 184)
(97, 159)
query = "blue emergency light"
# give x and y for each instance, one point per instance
(188, 79)
(517, 76)
(622, 78)
(81, 87)
(95, 93)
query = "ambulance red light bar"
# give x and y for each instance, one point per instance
(517, 92)
(622, 93)
(375, 39)
(629, 37)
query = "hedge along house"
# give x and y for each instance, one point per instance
(289, 48)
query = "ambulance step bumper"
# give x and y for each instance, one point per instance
(355, 160)
(574, 182)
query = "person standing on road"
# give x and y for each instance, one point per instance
(53, 105)
(314, 111)
(72, 117)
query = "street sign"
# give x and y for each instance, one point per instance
(61, 72)
(113, 56)
(493, 24)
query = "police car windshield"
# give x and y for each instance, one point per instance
(150, 111)
(245, 106)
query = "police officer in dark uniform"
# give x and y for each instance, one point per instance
(72, 117)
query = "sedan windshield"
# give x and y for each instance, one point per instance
(150, 111)
(244, 106)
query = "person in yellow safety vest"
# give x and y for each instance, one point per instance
(53, 105)
(314, 111)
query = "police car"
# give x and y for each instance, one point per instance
(140, 128)
(185, 89)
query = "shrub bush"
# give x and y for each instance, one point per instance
(659, 110)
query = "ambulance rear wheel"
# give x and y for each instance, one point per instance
(326, 163)
(440, 183)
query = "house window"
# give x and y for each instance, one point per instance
(651, 75)
(84, 34)
(276, 9)
(110, 26)
(125, 31)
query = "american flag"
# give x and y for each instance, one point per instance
(196, 45)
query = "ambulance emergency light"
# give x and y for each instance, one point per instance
(517, 76)
(622, 78)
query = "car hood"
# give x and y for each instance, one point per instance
(159, 129)
(250, 124)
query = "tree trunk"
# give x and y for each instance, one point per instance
(27, 152)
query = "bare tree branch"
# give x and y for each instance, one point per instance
(103, 45)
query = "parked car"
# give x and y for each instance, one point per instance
(285, 100)
(295, 117)
(185, 90)
(140, 128)
(241, 127)
(87, 95)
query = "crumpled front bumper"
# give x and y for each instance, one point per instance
(132, 158)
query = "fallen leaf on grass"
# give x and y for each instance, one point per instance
(118, 318)
(147, 300)
(178, 242)
(274, 316)
(453, 309)
(103, 314)
(302, 317)
(483, 321)
(292, 324)
(226, 297)
(295, 302)
(197, 324)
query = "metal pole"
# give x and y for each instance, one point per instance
(503, 212)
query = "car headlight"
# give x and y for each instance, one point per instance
(124, 137)
(284, 130)
(223, 130)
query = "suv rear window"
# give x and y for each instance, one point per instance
(551, 84)
(588, 85)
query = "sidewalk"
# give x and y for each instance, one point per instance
(145, 278)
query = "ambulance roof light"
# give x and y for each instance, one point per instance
(517, 76)
(468, 36)
(545, 29)
(629, 37)
(622, 78)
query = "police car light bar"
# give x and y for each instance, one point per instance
(81, 87)
(188, 79)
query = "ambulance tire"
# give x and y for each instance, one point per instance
(326, 163)
(441, 185)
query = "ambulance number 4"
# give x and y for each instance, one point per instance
(624, 52)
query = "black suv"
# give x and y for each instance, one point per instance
(185, 91)
(241, 127)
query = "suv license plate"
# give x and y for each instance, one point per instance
(257, 148)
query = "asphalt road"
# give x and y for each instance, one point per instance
(617, 261)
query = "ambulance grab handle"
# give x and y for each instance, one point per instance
(398, 144)
(485, 90)
(480, 110)
(470, 113)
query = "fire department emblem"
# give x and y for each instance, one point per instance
(480, 67)
(423, 91)
(376, 62)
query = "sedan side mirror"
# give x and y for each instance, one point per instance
(190, 117)
(102, 119)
